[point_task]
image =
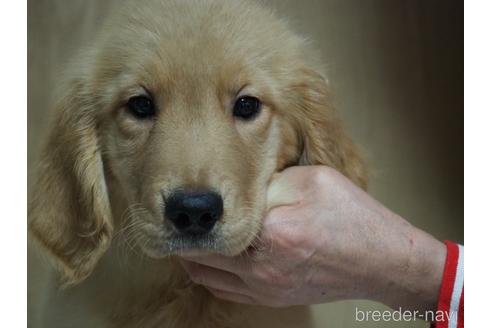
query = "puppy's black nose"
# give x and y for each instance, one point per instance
(194, 212)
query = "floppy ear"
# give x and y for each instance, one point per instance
(69, 211)
(320, 131)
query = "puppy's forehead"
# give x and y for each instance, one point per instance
(197, 37)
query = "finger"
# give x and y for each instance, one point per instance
(235, 264)
(233, 297)
(214, 278)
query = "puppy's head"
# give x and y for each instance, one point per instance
(172, 128)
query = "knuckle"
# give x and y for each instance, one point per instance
(322, 175)
(271, 276)
(293, 240)
(194, 273)
(289, 238)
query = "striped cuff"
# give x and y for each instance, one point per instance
(450, 310)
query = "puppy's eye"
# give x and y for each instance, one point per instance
(141, 107)
(247, 107)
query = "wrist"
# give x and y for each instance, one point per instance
(429, 258)
(415, 278)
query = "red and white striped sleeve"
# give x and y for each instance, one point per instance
(450, 310)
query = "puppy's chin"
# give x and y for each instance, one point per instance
(185, 245)
(192, 246)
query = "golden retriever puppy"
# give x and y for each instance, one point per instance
(164, 142)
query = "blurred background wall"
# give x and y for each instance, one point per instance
(396, 67)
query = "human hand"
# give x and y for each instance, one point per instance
(324, 239)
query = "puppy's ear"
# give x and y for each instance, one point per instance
(320, 131)
(69, 211)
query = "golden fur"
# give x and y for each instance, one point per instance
(95, 206)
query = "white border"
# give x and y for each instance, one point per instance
(13, 161)
(478, 161)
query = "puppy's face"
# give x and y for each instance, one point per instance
(193, 145)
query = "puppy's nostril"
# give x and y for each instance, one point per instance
(194, 212)
(182, 221)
